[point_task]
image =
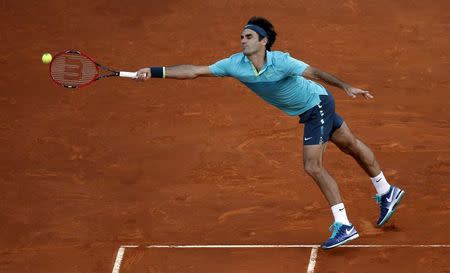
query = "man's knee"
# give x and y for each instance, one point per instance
(313, 167)
(350, 147)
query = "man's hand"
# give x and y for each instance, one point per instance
(353, 91)
(143, 74)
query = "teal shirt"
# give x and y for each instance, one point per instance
(279, 82)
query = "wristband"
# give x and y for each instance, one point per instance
(158, 72)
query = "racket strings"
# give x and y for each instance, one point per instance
(73, 70)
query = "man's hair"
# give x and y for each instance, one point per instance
(268, 27)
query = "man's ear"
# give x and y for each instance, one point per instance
(265, 40)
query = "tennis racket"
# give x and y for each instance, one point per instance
(74, 69)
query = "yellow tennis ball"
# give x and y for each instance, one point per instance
(46, 58)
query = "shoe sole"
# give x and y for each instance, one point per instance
(394, 208)
(354, 236)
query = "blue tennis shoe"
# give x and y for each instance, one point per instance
(388, 203)
(341, 235)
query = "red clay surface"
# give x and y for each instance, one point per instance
(206, 161)
(215, 260)
(365, 260)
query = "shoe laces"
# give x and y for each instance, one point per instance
(377, 198)
(336, 228)
(379, 201)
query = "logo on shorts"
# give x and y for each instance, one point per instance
(307, 138)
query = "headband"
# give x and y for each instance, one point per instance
(256, 29)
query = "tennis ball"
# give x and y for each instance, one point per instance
(46, 58)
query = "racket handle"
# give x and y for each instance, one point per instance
(127, 74)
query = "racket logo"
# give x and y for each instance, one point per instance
(73, 69)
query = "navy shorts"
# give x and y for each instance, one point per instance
(320, 121)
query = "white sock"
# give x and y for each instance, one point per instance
(380, 183)
(339, 214)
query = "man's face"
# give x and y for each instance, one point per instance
(250, 42)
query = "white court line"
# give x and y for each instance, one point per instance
(285, 246)
(231, 246)
(391, 246)
(119, 258)
(312, 260)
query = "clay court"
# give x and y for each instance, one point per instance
(86, 174)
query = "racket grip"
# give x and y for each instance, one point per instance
(127, 74)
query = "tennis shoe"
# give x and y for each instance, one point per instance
(388, 203)
(341, 235)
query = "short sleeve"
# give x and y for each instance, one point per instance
(293, 66)
(220, 68)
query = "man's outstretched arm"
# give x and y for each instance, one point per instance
(184, 71)
(317, 74)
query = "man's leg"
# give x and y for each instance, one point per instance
(313, 164)
(349, 144)
(388, 196)
(343, 229)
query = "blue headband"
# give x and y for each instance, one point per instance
(257, 29)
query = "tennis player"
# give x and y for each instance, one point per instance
(290, 85)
